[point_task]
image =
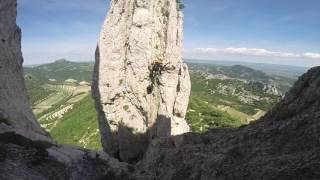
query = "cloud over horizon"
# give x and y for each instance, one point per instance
(251, 52)
(312, 55)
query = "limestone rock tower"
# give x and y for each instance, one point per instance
(141, 85)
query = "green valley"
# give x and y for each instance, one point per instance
(222, 96)
(60, 94)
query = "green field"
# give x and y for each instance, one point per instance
(202, 115)
(79, 126)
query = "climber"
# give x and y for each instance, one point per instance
(157, 61)
(157, 67)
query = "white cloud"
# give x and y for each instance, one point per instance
(245, 51)
(258, 52)
(312, 55)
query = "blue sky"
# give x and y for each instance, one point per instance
(266, 31)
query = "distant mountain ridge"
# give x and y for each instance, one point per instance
(273, 69)
(276, 84)
(61, 70)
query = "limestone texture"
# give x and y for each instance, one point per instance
(141, 84)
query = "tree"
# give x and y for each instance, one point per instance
(180, 5)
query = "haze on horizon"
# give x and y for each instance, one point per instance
(281, 32)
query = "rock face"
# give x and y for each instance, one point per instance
(141, 85)
(284, 144)
(26, 150)
(15, 112)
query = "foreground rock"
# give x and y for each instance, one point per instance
(22, 158)
(285, 144)
(26, 150)
(15, 111)
(141, 85)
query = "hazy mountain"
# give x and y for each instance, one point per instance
(62, 70)
(273, 69)
(274, 83)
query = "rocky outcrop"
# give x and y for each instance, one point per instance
(284, 144)
(26, 150)
(15, 112)
(303, 98)
(141, 85)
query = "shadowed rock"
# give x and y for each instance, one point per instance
(284, 144)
